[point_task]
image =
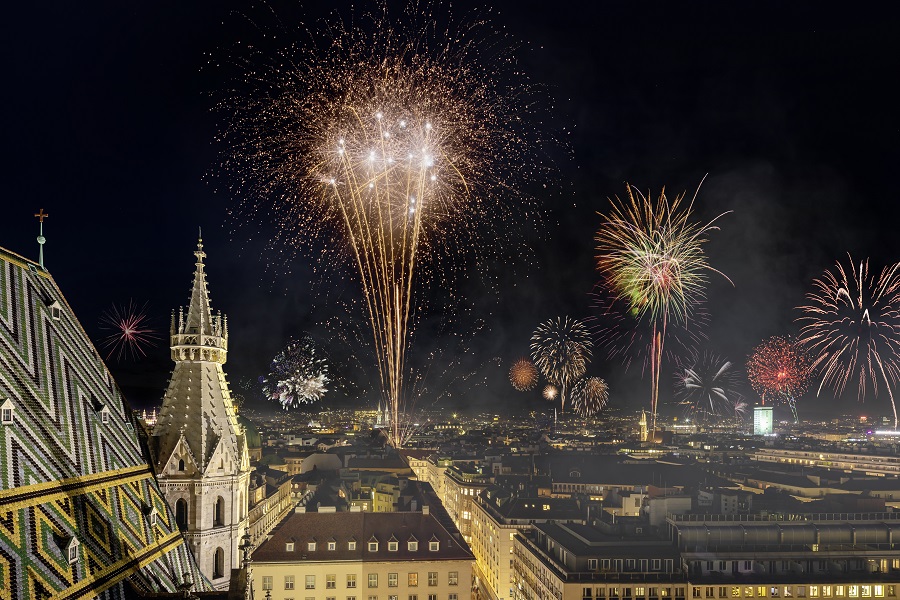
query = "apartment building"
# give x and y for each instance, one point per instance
(362, 556)
(462, 483)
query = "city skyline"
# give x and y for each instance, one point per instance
(115, 142)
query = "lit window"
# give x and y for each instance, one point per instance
(412, 579)
(310, 582)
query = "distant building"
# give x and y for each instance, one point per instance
(763, 420)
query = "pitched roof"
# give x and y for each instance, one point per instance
(344, 527)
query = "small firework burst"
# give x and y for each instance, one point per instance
(589, 396)
(779, 371)
(131, 332)
(561, 349)
(523, 375)
(550, 393)
(705, 386)
(298, 375)
(740, 409)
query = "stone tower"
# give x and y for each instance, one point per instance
(202, 461)
(643, 425)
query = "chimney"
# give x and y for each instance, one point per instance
(425, 509)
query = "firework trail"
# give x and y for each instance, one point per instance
(705, 386)
(851, 325)
(651, 260)
(523, 375)
(561, 349)
(298, 375)
(589, 396)
(740, 409)
(779, 371)
(384, 141)
(131, 336)
(550, 393)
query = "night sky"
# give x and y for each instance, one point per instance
(790, 108)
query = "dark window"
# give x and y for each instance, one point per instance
(219, 564)
(181, 516)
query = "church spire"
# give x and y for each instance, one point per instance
(200, 332)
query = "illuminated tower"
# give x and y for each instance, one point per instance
(643, 424)
(202, 461)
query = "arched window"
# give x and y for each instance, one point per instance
(219, 512)
(181, 465)
(181, 516)
(241, 505)
(219, 564)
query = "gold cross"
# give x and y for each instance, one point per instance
(41, 215)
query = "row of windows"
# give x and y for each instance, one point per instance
(412, 580)
(800, 591)
(412, 546)
(629, 563)
(639, 592)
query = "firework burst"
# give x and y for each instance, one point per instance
(550, 392)
(523, 375)
(779, 371)
(705, 386)
(651, 260)
(131, 332)
(384, 141)
(851, 325)
(298, 375)
(561, 349)
(589, 396)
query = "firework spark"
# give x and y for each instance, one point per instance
(523, 375)
(298, 375)
(550, 393)
(705, 386)
(589, 396)
(561, 349)
(851, 325)
(384, 141)
(779, 371)
(650, 258)
(131, 336)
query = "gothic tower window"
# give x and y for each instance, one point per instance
(181, 515)
(219, 564)
(219, 512)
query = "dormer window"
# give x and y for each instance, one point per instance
(311, 546)
(104, 415)
(332, 545)
(55, 310)
(434, 546)
(351, 545)
(392, 546)
(6, 412)
(289, 547)
(412, 545)
(373, 545)
(72, 551)
(152, 517)
(181, 464)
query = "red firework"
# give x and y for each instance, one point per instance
(131, 332)
(779, 370)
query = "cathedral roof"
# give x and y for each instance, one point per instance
(85, 507)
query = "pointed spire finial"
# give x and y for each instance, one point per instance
(41, 215)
